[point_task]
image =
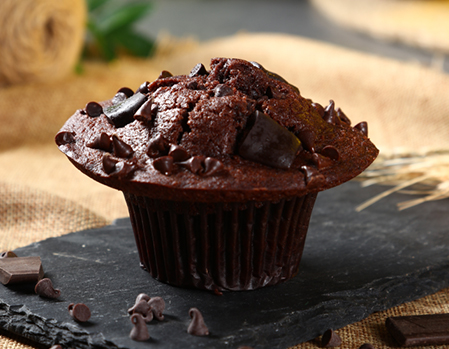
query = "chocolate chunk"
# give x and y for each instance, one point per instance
(212, 166)
(165, 74)
(102, 142)
(342, 116)
(157, 146)
(331, 152)
(157, 305)
(312, 177)
(362, 127)
(145, 112)
(330, 115)
(197, 327)
(432, 329)
(198, 70)
(193, 164)
(80, 312)
(119, 97)
(122, 113)
(64, 137)
(120, 148)
(44, 288)
(164, 164)
(20, 270)
(7, 254)
(319, 108)
(139, 331)
(93, 109)
(268, 143)
(109, 164)
(330, 339)
(127, 91)
(178, 153)
(143, 88)
(222, 91)
(307, 138)
(366, 346)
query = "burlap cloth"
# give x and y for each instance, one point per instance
(43, 195)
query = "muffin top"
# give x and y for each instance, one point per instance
(234, 133)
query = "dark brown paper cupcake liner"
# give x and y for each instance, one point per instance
(220, 246)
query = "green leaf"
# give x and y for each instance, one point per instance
(105, 45)
(135, 43)
(92, 5)
(122, 17)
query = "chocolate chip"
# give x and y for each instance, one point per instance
(143, 88)
(65, 137)
(319, 108)
(7, 254)
(145, 112)
(362, 127)
(331, 152)
(321, 162)
(157, 146)
(268, 143)
(140, 331)
(165, 74)
(109, 164)
(198, 70)
(342, 116)
(212, 166)
(120, 148)
(144, 309)
(330, 115)
(127, 91)
(164, 164)
(44, 288)
(157, 305)
(178, 153)
(118, 98)
(312, 176)
(366, 346)
(193, 164)
(122, 113)
(80, 312)
(222, 91)
(330, 339)
(307, 138)
(141, 296)
(123, 169)
(102, 142)
(197, 327)
(93, 109)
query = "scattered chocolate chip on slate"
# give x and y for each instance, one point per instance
(197, 327)
(331, 152)
(362, 127)
(165, 74)
(20, 270)
(141, 296)
(93, 109)
(101, 142)
(414, 330)
(198, 70)
(139, 331)
(267, 142)
(164, 164)
(44, 288)
(122, 113)
(330, 339)
(79, 312)
(109, 163)
(178, 153)
(127, 91)
(63, 138)
(7, 254)
(144, 309)
(222, 91)
(212, 166)
(119, 97)
(157, 305)
(120, 148)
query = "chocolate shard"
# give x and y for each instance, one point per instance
(20, 270)
(120, 148)
(122, 113)
(267, 142)
(109, 163)
(63, 138)
(197, 327)
(212, 166)
(127, 91)
(145, 112)
(362, 127)
(164, 164)
(330, 339)
(93, 109)
(193, 164)
(331, 152)
(178, 153)
(165, 74)
(198, 70)
(414, 330)
(101, 142)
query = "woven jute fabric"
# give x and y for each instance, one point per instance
(419, 23)
(43, 195)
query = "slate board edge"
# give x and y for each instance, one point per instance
(44, 331)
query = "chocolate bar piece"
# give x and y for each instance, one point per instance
(419, 329)
(20, 270)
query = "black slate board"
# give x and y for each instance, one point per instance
(353, 264)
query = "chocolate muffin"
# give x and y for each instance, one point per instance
(220, 169)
